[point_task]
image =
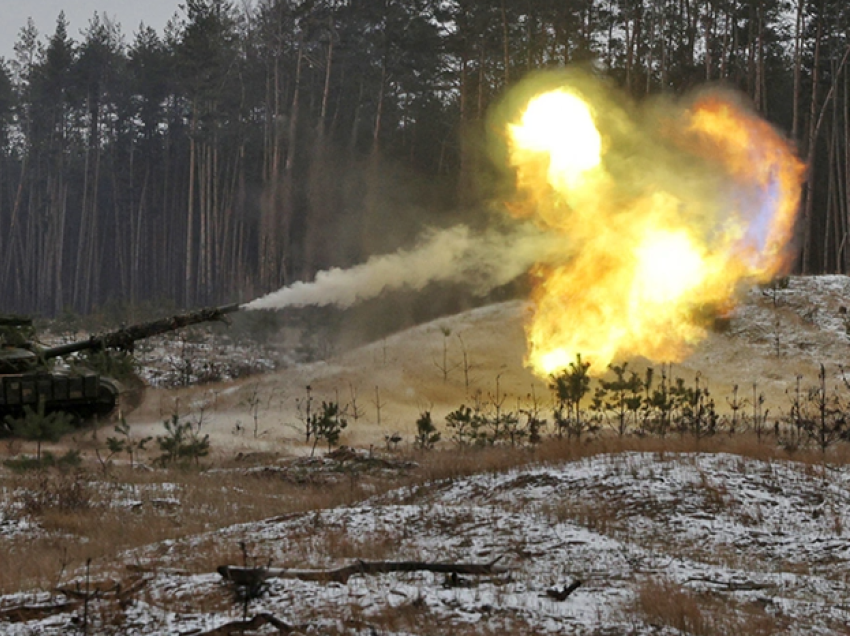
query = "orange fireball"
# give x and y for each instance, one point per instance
(663, 211)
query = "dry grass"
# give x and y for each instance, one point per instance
(661, 602)
(100, 530)
(171, 504)
(454, 463)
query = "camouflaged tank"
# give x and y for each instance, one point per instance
(28, 377)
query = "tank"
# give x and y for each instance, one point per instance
(28, 379)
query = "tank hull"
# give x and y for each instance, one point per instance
(28, 380)
(83, 395)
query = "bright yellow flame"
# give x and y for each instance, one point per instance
(669, 265)
(560, 125)
(662, 218)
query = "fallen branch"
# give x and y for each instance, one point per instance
(109, 589)
(254, 576)
(733, 586)
(564, 592)
(239, 627)
(26, 613)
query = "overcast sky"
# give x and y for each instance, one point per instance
(128, 13)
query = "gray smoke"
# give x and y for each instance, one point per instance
(482, 261)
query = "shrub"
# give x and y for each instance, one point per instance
(70, 459)
(427, 434)
(467, 425)
(39, 426)
(130, 445)
(570, 386)
(326, 424)
(182, 442)
(622, 397)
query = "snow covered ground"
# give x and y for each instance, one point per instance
(662, 543)
(765, 541)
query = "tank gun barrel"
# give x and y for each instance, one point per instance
(125, 337)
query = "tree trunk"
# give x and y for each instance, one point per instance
(798, 63)
(188, 263)
(811, 143)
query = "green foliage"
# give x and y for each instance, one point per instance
(182, 443)
(570, 386)
(69, 459)
(534, 426)
(427, 435)
(622, 397)
(505, 427)
(696, 409)
(467, 426)
(659, 403)
(40, 426)
(326, 424)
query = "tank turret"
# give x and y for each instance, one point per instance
(26, 378)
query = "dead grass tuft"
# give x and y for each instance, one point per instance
(661, 602)
(414, 616)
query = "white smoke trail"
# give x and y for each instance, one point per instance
(457, 255)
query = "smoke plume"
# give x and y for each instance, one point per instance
(482, 261)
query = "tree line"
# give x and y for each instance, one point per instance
(248, 146)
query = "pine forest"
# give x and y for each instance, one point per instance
(246, 147)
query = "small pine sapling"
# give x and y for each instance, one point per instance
(467, 426)
(253, 401)
(466, 365)
(534, 424)
(182, 442)
(735, 405)
(427, 435)
(130, 445)
(40, 426)
(796, 418)
(622, 397)
(828, 424)
(570, 386)
(697, 414)
(353, 408)
(659, 403)
(327, 425)
(503, 424)
(379, 405)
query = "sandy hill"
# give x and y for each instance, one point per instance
(775, 335)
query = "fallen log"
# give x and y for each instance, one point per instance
(26, 613)
(240, 627)
(109, 589)
(254, 576)
(733, 586)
